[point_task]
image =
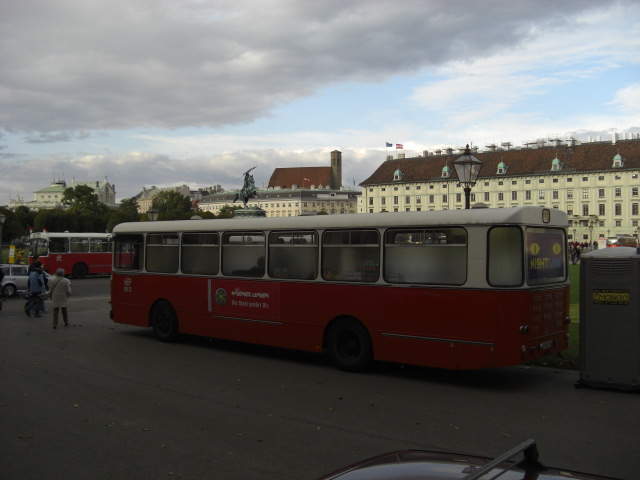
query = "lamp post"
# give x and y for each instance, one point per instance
(2, 218)
(467, 168)
(152, 214)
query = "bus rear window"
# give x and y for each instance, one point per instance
(504, 265)
(546, 257)
(128, 252)
(426, 256)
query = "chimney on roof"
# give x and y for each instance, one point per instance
(389, 157)
(425, 153)
(401, 155)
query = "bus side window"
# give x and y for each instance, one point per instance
(79, 245)
(426, 256)
(200, 253)
(128, 252)
(99, 245)
(504, 265)
(351, 255)
(243, 254)
(162, 252)
(293, 255)
(58, 245)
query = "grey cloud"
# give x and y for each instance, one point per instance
(119, 64)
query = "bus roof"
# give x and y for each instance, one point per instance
(69, 235)
(475, 216)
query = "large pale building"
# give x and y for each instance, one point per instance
(297, 191)
(596, 183)
(51, 196)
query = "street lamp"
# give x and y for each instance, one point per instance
(2, 218)
(152, 214)
(467, 168)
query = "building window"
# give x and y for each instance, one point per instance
(486, 196)
(554, 194)
(618, 209)
(431, 199)
(458, 197)
(541, 194)
(527, 194)
(395, 199)
(444, 198)
(514, 182)
(618, 223)
(601, 209)
(569, 194)
(634, 191)
(407, 199)
(618, 192)
(418, 198)
(383, 201)
(634, 209)
(370, 201)
(514, 195)
(601, 193)
(541, 180)
(585, 179)
(585, 193)
(527, 182)
(585, 210)
(569, 179)
(500, 196)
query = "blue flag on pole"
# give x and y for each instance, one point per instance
(389, 144)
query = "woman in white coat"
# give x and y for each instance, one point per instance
(60, 288)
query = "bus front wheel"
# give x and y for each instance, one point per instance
(79, 270)
(164, 322)
(349, 345)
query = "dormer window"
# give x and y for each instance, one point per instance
(397, 175)
(446, 172)
(556, 164)
(502, 168)
(618, 161)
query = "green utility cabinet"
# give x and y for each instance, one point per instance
(610, 318)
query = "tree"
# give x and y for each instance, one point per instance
(172, 206)
(228, 211)
(87, 213)
(81, 197)
(127, 211)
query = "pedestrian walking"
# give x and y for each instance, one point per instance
(60, 293)
(37, 289)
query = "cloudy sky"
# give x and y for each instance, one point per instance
(170, 92)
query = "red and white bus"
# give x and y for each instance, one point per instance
(457, 289)
(80, 254)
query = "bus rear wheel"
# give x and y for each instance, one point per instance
(349, 345)
(164, 322)
(79, 270)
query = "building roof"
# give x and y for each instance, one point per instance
(285, 178)
(578, 158)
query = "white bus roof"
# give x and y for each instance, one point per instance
(68, 235)
(474, 216)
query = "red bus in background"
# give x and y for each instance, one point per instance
(79, 254)
(458, 289)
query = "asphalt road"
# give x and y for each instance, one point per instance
(99, 400)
